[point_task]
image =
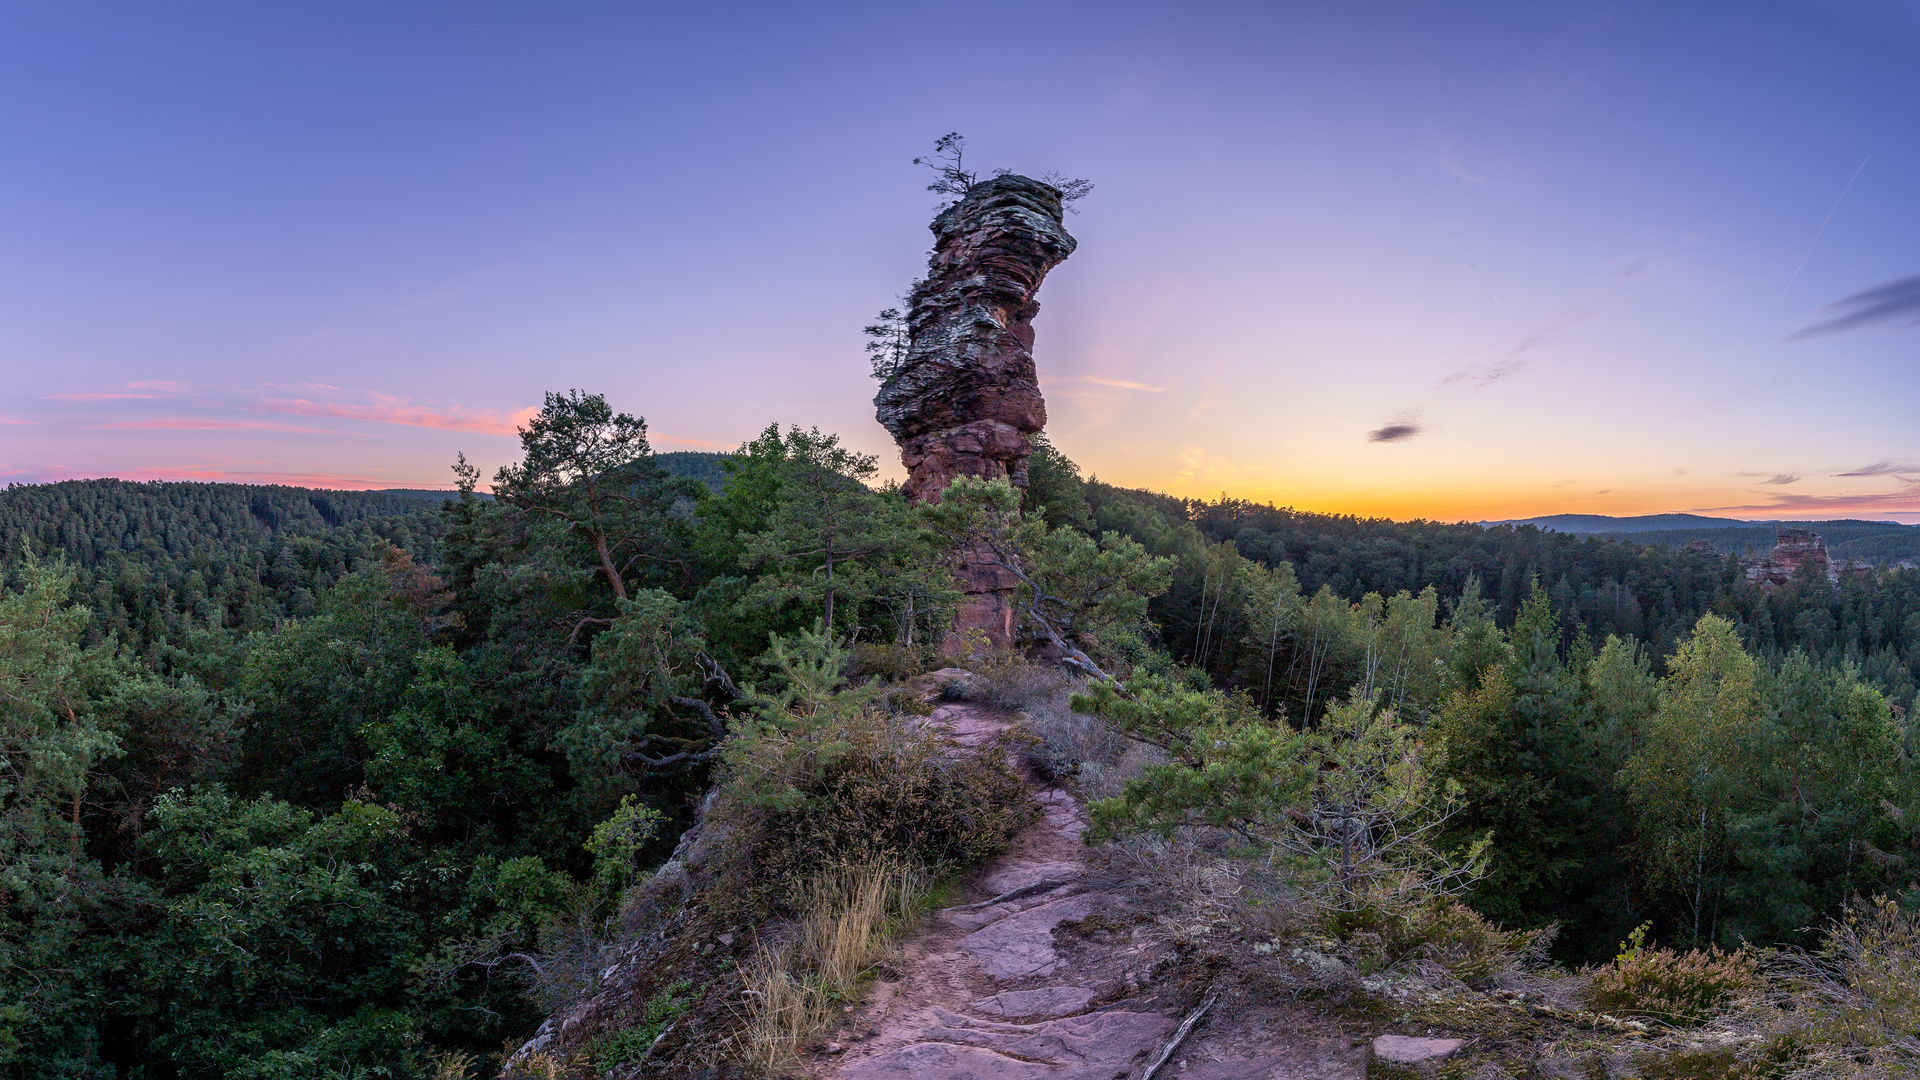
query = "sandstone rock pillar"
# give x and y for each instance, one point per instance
(967, 396)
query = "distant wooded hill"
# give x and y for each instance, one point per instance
(696, 465)
(1851, 538)
(159, 561)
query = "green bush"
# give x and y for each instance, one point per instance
(616, 1048)
(886, 662)
(1664, 985)
(908, 703)
(858, 786)
(1464, 942)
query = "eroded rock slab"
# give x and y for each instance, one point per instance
(1093, 1047)
(1024, 874)
(1021, 945)
(1003, 992)
(1048, 1001)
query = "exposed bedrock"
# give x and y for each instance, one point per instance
(967, 395)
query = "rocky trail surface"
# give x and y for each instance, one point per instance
(1048, 969)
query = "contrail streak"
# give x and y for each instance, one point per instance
(1824, 224)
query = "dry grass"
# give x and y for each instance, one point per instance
(1010, 682)
(794, 989)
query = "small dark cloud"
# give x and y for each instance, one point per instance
(1394, 433)
(1783, 479)
(1883, 468)
(1894, 304)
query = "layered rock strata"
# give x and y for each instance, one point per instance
(967, 394)
(1797, 548)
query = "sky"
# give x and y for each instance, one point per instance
(1456, 261)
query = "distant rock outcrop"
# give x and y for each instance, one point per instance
(1794, 549)
(966, 396)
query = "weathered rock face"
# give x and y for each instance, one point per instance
(967, 395)
(1793, 549)
(1801, 547)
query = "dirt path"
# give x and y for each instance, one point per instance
(1042, 973)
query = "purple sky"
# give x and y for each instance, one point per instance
(1413, 259)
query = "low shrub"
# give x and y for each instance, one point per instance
(858, 787)
(1065, 741)
(1010, 682)
(616, 1048)
(1667, 986)
(886, 662)
(1860, 994)
(905, 702)
(1469, 947)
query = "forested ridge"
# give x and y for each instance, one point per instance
(1652, 593)
(312, 783)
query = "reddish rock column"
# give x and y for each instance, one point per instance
(967, 395)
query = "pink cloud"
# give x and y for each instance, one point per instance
(338, 481)
(1122, 384)
(217, 425)
(1904, 502)
(391, 410)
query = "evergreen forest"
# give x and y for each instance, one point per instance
(300, 783)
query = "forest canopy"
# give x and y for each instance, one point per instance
(308, 783)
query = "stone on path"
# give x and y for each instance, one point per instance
(1412, 1052)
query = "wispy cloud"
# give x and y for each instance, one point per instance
(1895, 304)
(1121, 384)
(658, 437)
(1776, 479)
(189, 424)
(130, 391)
(1523, 353)
(381, 409)
(1884, 468)
(12, 420)
(1906, 500)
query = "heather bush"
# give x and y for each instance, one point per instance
(1471, 948)
(1667, 986)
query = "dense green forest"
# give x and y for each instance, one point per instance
(308, 783)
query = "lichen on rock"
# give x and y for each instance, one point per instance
(967, 394)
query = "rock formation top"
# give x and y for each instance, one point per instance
(1796, 548)
(967, 395)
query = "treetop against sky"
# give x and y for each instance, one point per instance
(1457, 261)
